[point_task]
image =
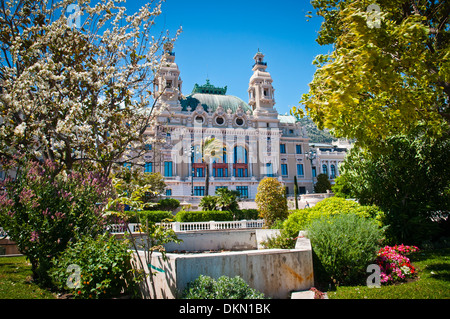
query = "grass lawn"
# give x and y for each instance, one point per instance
(433, 281)
(15, 280)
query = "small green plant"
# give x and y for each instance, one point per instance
(95, 268)
(345, 245)
(205, 287)
(208, 202)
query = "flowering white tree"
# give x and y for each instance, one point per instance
(75, 79)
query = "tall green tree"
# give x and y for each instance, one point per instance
(388, 72)
(410, 182)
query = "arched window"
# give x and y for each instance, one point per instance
(224, 156)
(240, 155)
(197, 155)
(324, 169)
(333, 171)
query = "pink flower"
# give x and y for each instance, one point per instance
(34, 236)
(25, 196)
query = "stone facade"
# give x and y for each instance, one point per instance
(257, 141)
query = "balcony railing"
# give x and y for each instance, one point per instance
(260, 63)
(194, 226)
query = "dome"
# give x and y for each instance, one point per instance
(211, 102)
(210, 97)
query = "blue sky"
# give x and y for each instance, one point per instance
(220, 38)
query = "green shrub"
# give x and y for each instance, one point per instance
(300, 219)
(280, 242)
(43, 208)
(203, 216)
(205, 287)
(323, 184)
(345, 245)
(271, 200)
(209, 202)
(104, 265)
(152, 216)
(169, 204)
(247, 214)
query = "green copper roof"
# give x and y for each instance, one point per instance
(208, 88)
(210, 97)
(211, 102)
(288, 119)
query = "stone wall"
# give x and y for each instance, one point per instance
(275, 272)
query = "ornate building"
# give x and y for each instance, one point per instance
(257, 141)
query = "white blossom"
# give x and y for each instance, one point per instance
(81, 89)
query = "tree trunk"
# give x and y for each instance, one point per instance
(296, 192)
(206, 179)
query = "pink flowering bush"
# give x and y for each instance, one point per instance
(395, 266)
(43, 208)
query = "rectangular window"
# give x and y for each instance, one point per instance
(240, 172)
(300, 170)
(168, 169)
(243, 191)
(314, 172)
(199, 172)
(283, 148)
(298, 149)
(284, 169)
(148, 167)
(168, 192)
(199, 190)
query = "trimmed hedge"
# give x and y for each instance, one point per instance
(152, 216)
(247, 214)
(203, 216)
(167, 204)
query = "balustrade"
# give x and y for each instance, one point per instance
(195, 226)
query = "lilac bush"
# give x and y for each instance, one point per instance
(44, 207)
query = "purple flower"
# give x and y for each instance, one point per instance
(34, 236)
(25, 196)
